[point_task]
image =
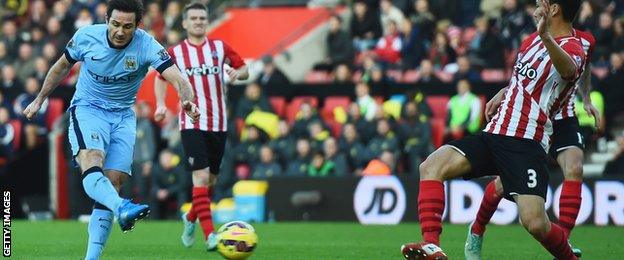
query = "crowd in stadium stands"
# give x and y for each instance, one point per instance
(462, 43)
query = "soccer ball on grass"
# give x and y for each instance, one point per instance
(236, 240)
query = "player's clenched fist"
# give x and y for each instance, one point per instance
(191, 110)
(32, 109)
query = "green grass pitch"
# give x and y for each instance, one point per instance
(297, 240)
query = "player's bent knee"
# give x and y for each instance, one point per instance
(443, 164)
(90, 158)
(573, 171)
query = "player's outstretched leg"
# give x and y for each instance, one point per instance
(100, 189)
(534, 219)
(570, 161)
(489, 203)
(445, 163)
(100, 225)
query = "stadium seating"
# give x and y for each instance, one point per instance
(279, 105)
(437, 131)
(493, 75)
(295, 105)
(55, 110)
(438, 105)
(17, 129)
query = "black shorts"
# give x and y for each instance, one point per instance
(521, 163)
(203, 149)
(566, 134)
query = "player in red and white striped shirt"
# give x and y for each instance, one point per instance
(567, 147)
(202, 61)
(514, 144)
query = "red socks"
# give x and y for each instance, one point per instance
(201, 209)
(489, 203)
(556, 242)
(569, 205)
(430, 210)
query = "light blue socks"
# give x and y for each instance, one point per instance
(100, 189)
(99, 230)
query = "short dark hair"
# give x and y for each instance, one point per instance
(194, 5)
(126, 6)
(569, 8)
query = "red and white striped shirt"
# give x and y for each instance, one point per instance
(203, 67)
(536, 91)
(588, 41)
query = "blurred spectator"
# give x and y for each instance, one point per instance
(378, 77)
(413, 47)
(307, 114)
(84, 19)
(342, 74)
(419, 98)
(61, 14)
(604, 36)
(444, 9)
(168, 185)
(415, 136)
(491, 8)
(385, 139)
(252, 100)
(465, 71)
(100, 13)
(587, 19)
(41, 69)
(50, 52)
(513, 23)
(170, 133)
(284, 144)
(6, 104)
(427, 75)
(173, 37)
(37, 34)
(487, 48)
(38, 14)
(55, 36)
(339, 46)
(365, 102)
(299, 165)
(612, 89)
(144, 151)
(10, 39)
(248, 150)
(389, 13)
(333, 155)
(363, 126)
(154, 22)
(7, 133)
(36, 126)
(388, 48)
(464, 112)
(423, 20)
(319, 167)
(173, 17)
(25, 63)
(271, 75)
(365, 26)
(267, 167)
(4, 59)
(11, 85)
(618, 41)
(384, 164)
(352, 147)
(318, 134)
(441, 52)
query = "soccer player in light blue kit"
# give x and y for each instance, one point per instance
(115, 58)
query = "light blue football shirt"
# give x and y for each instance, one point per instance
(110, 77)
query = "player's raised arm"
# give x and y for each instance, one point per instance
(564, 63)
(55, 75)
(184, 88)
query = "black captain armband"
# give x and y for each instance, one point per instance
(164, 66)
(68, 57)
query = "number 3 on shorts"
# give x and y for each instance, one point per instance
(532, 180)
